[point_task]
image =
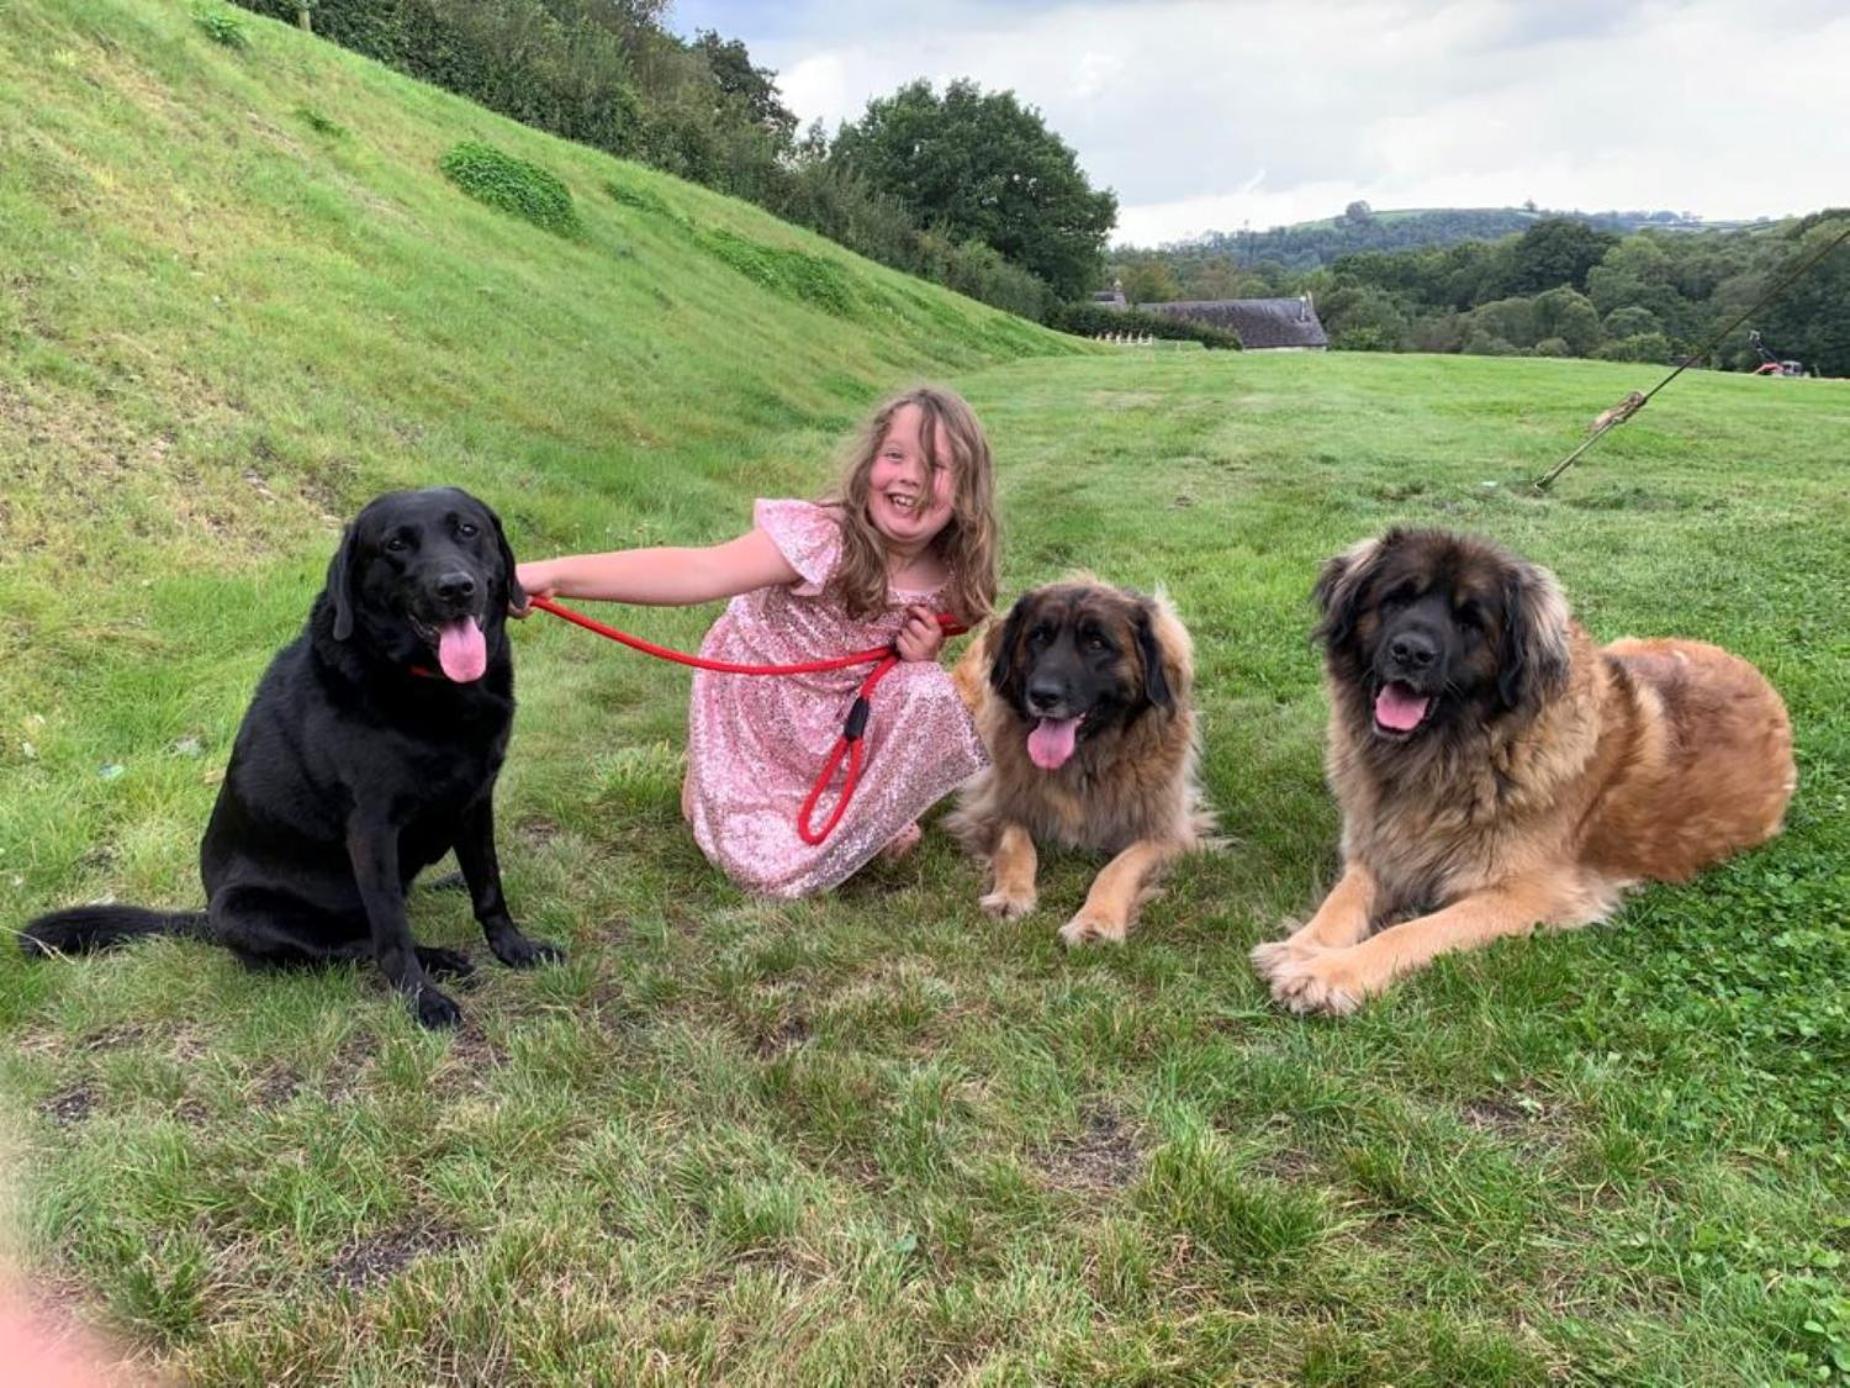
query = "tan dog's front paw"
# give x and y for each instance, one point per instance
(1087, 928)
(1008, 906)
(1325, 981)
(1270, 957)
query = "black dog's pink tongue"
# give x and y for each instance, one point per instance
(1399, 708)
(1051, 742)
(461, 651)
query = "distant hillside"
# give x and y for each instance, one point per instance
(1309, 245)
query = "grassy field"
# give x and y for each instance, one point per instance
(878, 1138)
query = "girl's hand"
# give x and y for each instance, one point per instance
(921, 638)
(537, 580)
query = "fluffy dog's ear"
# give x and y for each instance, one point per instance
(342, 575)
(1004, 674)
(1339, 589)
(516, 595)
(1532, 657)
(1155, 681)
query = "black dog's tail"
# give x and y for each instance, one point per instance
(83, 929)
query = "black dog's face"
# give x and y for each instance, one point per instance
(1428, 629)
(1074, 659)
(424, 574)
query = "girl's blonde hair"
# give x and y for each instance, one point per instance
(967, 544)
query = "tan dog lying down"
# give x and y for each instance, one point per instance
(1497, 771)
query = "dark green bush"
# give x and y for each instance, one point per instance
(980, 271)
(513, 185)
(1089, 320)
(221, 25)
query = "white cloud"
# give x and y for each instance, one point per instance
(1209, 115)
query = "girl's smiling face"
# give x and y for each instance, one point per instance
(908, 493)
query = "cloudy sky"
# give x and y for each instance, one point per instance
(1213, 115)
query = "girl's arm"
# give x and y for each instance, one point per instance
(663, 577)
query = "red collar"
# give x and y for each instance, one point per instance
(422, 673)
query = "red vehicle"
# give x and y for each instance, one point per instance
(1771, 365)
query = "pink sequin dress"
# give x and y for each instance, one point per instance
(756, 743)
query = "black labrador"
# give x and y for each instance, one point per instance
(370, 750)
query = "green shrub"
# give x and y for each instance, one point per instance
(221, 25)
(1654, 347)
(1089, 320)
(981, 272)
(1370, 337)
(794, 274)
(1481, 343)
(512, 185)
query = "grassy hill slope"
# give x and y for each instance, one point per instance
(877, 1138)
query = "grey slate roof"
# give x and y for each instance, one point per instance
(1260, 323)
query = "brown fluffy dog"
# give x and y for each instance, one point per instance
(1496, 770)
(1084, 700)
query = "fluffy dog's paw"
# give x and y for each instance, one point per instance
(518, 952)
(1270, 957)
(434, 1009)
(1304, 982)
(1008, 906)
(1088, 929)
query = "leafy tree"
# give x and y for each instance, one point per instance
(1630, 321)
(1358, 213)
(1511, 321)
(1151, 282)
(1556, 251)
(981, 166)
(1363, 318)
(1639, 272)
(1570, 318)
(753, 89)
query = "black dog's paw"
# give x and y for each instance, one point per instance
(518, 952)
(435, 1010)
(444, 963)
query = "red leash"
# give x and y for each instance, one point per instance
(883, 659)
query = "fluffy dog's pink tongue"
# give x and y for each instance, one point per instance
(1051, 742)
(1399, 708)
(461, 651)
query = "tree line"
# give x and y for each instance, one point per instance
(1563, 286)
(961, 186)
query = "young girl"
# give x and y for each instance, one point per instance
(911, 533)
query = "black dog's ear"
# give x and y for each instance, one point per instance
(1532, 657)
(1004, 675)
(1155, 680)
(341, 578)
(516, 595)
(1340, 586)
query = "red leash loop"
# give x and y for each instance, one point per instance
(848, 745)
